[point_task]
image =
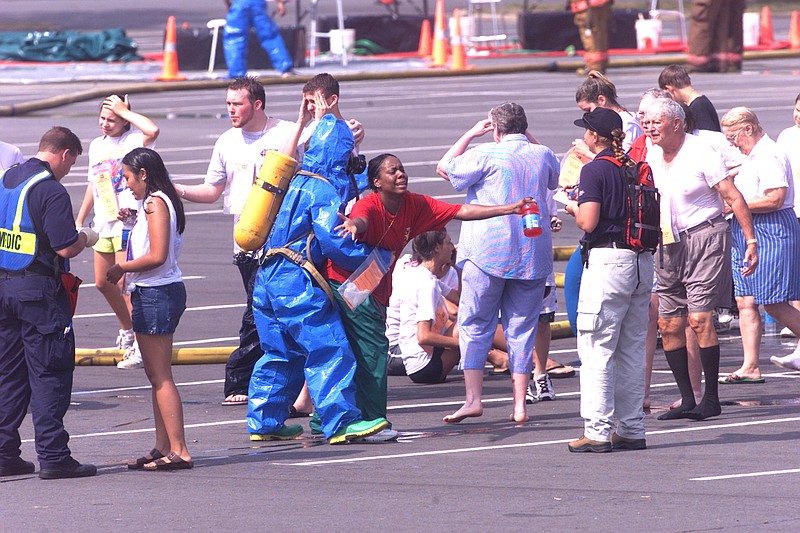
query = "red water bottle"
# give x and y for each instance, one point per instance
(531, 223)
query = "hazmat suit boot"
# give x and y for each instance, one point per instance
(359, 428)
(284, 433)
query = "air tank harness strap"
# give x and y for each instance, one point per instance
(297, 258)
(303, 262)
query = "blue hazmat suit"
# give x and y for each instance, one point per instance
(242, 15)
(300, 329)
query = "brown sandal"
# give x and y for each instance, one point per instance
(172, 461)
(138, 464)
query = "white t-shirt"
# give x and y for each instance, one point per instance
(107, 153)
(765, 167)
(10, 155)
(687, 183)
(238, 155)
(421, 300)
(730, 154)
(139, 245)
(448, 282)
(789, 142)
(631, 127)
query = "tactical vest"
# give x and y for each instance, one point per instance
(18, 241)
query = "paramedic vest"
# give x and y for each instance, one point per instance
(18, 240)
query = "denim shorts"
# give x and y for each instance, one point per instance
(157, 310)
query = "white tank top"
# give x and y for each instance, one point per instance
(139, 245)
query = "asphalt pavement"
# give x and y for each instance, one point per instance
(737, 471)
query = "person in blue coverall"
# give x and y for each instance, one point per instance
(242, 15)
(298, 323)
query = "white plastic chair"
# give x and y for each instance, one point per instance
(314, 34)
(475, 34)
(676, 13)
(214, 25)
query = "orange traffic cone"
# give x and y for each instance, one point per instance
(425, 38)
(767, 37)
(439, 37)
(459, 61)
(794, 30)
(170, 70)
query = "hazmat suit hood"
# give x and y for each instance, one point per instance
(328, 152)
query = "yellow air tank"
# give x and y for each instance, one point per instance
(264, 200)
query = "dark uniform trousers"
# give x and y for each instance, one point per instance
(715, 36)
(37, 358)
(592, 18)
(240, 364)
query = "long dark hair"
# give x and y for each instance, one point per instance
(157, 178)
(596, 85)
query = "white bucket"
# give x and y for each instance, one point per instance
(648, 31)
(341, 40)
(751, 23)
(466, 28)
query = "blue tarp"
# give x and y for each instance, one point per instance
(60, 46)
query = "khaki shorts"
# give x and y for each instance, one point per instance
(695, 274)
(108, 245)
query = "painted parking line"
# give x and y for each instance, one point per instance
(185, 278)
(749, 474)
(521, 445)
(199, 308)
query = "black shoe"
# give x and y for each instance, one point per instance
(68, 468)
(624, 443)
(17, 467)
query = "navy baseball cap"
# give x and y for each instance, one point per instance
(601, 121)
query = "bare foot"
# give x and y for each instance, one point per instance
(235, 399)
(466, 411)
(519, 418)
(646, 404)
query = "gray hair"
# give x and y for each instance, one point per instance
(667, 108)
(509, 118)
(654, 93)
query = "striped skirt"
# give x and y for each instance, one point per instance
(777, 276)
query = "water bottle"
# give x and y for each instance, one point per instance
(127, 225)
(126, 233)
(531, 223)
(770, 324)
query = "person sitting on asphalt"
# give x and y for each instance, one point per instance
(450, 287)
(427, 339)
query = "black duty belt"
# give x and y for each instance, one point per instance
(34, 269)
(609, 243)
